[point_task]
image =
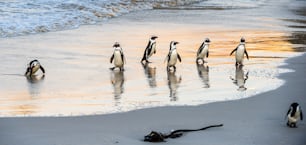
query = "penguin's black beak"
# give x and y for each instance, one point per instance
(176, 43)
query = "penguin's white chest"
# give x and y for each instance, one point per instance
(153, 49)
(295, 117)
(118, 62)
(203, 52)
(35, 68)
(173, 58)
(240, 53)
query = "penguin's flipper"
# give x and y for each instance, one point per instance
(27, 73)
(148, 47)
(207, 54)
(200, 49)
(123, 58)
(42, 69)
(246, 53)
(167, 58)
(288, 112)
(144, 56)
(111, 59)
(234, 50)
(179, 57)
(301, 115)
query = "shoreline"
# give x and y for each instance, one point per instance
(93, 92)
(254, 120)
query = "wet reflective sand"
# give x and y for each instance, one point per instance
(78, 80)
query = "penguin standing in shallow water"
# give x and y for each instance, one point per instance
(118, 57)
(172, 56)
(240, 51)
(150, 49)
(33, 67)
(294, 114)
(203, 51)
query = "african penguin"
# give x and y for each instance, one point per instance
(240, 51)
(33, 67)
(172, 56)
(203, 51)
(150, 49)
(118, 57)
(294, 114)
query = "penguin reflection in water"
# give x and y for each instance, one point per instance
(173, 84)
(240, 51)
(240, 78)
(203, 71)
(294, 114)
(203, 52)
(117, 80)
(118, 57)
(150, 72)
(172, 56)
(150, 50)
(32, 68)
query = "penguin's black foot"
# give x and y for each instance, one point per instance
(291, 125)
(112, 68)
(121, 69)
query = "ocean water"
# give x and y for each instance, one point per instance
(76, 55)
(19, 17)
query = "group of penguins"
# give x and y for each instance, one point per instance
(118, 56)
(293, 115)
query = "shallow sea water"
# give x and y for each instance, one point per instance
(78, 80)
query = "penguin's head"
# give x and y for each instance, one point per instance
(153, 37)
(242, 40)
(207, 41)
(116, 45)
(173, 45)
(34, 63)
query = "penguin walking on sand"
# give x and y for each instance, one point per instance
(203, 51)
(33, 67)
(294, 114)
(240, 51)
(118, 57)
(172, 56)
(150, 50)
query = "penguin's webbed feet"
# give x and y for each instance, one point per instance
(291, 125)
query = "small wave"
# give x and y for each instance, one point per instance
(20, 17)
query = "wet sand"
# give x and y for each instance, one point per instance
(258, 120)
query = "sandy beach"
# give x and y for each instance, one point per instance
(81, 102)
